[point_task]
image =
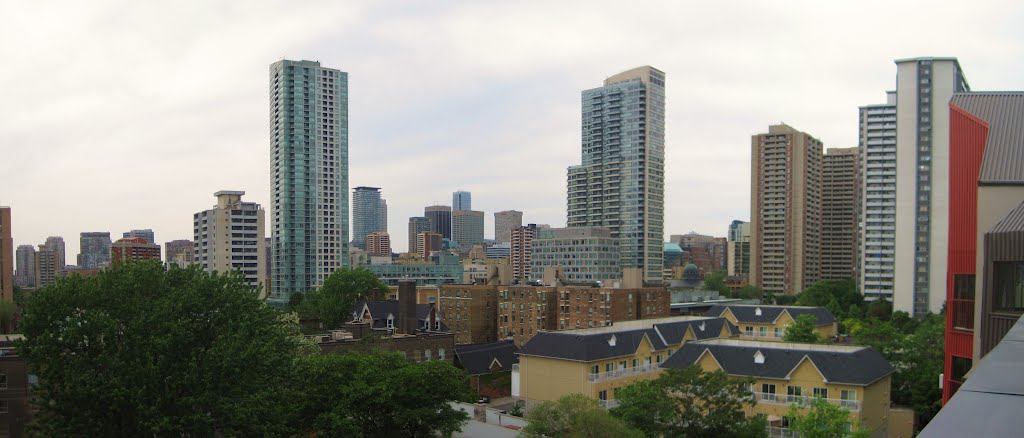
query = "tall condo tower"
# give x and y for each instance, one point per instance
(621, 181)
(309, 175)
(878, 192)
(840, 194)
(369, 214)
(229, 237)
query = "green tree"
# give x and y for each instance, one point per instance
(802, 330)
(144, 350)
(880, 335)
(823, 420)
(688, 402)
(716, 281)
(333, 301)
(880, 309)
(575, 415)
(749, 292)
(836, 295)
(918, 366)
(8, 310)
(379, 394)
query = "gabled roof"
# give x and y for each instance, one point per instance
(478, 359)
(846, 365)
(1003, 163)
(380, 310)
(748, 313)
(1013, 222)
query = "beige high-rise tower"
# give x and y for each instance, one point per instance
(785, 210)
(231, 236)
(840, 198)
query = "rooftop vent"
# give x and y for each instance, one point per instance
(701, 326)
(757, 311)
(611, 341)
(758, 357)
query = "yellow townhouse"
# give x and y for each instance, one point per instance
(768, 323)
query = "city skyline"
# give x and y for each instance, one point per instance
(498, 97)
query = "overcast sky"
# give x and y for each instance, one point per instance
(121, 115)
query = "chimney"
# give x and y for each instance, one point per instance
(408, 323)
(377, 295)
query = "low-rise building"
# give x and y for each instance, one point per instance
(16, 385)
(582, 254)
(769, 323)
(855, 378)
(470, 311)
(489, 366)
(524, 311)
(446, 269)
(133, 248)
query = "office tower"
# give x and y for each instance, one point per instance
(6, 255)
(840, 197)
(369, 214)
(48, 268)
(417, 225)
(582, 254)
(504, 223)
(56, 244)
(179, 251)
(309, 168)
(94, 250)
(521, 251)
(468, 227)
(440, 217)
(621, 181)
(133, 248)
(427, 242)
(785, 210)
(878, 194)
(739, 251)
(923, 89)
(145, 234)
(378, 243)
(25, 257)
(462, 201)
(736, 230)
(229, 237)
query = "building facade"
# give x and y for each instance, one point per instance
(521, 251)
(309, 175)
(620, 183)
(462, 200)
(417, 225)
(426, 243)
(229, 237)
(739, 251)
(468, 227)
(132, 248)
(440, 217)
(785, 209)
(56, 244)
(378, 243)
(369, 214)
(180, 252)
(25, 258)
(504, 223)
(736, 230)
(47, 266)
(877, 132)
(147, 234)
(581, 254)
(94, 250)
(470, 311)
(769, 323)
(6, 255)
(840, 198)
(923, 89)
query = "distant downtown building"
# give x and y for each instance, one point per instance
(94, 250)
(739, 250)
(25, 258)
(521, 251)
(427, 242)
(378, 243)
(840, 198)
(47, 266)
(924, 87)
(309, 175)
(462, 201)
(582, 254)
(417, 225)
(620, 183)
(736, 230)
(229, 237)
(440, 217)
(877, 270)
(132, 248)
(6, 255)
(181, 252)
(145, 234)
(468, 227)
(504, 223)
(56, 244)
(369, 214)
(785, 210)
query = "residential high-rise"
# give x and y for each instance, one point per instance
(785, 210)
(133, 248)
(229, 237)
(440, 217)
(369, 214)
(468, 227)
(521, 251)
(47, 266)
(736, 230)
(620, 183)
(179, 251)
(462, 201)
(56, 244)
(25, 258)
(582, 254)
(6, 255)
(840, 194)
(145, 234)
(94, 250)
(924, 87)
(878, 195)
(378, 243)
(309, 175)
(417, 225)
(504, 223)
(739, 251)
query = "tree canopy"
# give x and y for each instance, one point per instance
(575, 415)
(835, 295)
(802, 330)
(823, 420)
(332, 302)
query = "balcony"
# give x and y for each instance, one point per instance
(624, 372)
(779, 399)
(608, 404)
(774, 432)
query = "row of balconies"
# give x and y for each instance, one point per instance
(623, 372)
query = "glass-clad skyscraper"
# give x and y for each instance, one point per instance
(309, 175)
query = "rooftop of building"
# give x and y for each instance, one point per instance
(1003, 162)
(479, 359)
(767, 314)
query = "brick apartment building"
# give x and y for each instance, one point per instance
(470, 311)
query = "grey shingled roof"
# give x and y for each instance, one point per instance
(476, 359)
(748, 313)
(1003, 163)
(860, 367)
(379, 310)
(586, 347)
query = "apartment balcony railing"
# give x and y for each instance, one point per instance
(781, 399)
(608, 404)
(755, 334)
(776, 432)
(962, 313)
(624, 372)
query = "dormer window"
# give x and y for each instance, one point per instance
(611, 341)
(759, 357)
(757, 311)
(701, 326)
(391, 321)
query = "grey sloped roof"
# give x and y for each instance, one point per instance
(476, 359)
(1013, 222)
(710, 328)
(748, 313)
(586, 347)
(1004, 151)
(860, 367)
(380, 310)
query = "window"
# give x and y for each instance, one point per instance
(440, 354)
(391, 322)
(636, 363)
(767, 391)
(426, 354)
(602, 395)
(849, 398)
(794, 394)
(763, 331)
(778, 332)
(608, 367)
(821, 392)
(749, 331)
(1008, 287)
(595, 369)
